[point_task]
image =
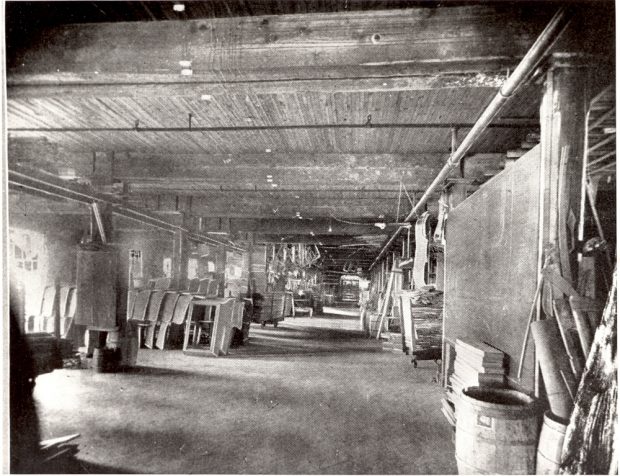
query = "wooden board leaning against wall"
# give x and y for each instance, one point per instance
(491, 259)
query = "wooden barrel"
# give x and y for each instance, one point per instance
(496, 431)
(99, 360)
(550, 444)
(106, 360)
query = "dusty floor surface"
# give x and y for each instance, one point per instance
(296, 400)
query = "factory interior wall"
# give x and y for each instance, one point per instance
(53, 240)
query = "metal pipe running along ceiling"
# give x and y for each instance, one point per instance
(519, 76)
(20, 179)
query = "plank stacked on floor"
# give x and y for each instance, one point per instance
(476, 364)
(426, 311)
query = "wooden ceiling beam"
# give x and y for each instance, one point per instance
(293, 196)
(324, 240)
(176, 174)
(272, 159)
(349, 211)
(26, 87)
(504, 124)
(304, 227)
(198, 207)
(346, 44)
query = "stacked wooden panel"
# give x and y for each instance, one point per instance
(476, 364)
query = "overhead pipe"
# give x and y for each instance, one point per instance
(521, 73)
(21, 179)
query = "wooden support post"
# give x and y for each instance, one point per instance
(562, 116)
(179, 259)
(562, 132)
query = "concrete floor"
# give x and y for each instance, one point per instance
(296, 400)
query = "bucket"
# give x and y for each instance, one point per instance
(496, 431)
(550, 444)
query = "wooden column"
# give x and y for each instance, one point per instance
(563, 115)
(179, 259)
(562, 125)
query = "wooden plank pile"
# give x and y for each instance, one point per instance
(476, 364)
(427, 321)
(427, 325)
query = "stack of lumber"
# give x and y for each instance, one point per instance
(476, 364)
(427, 326)
(425, 318)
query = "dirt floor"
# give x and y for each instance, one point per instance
(295, 400)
